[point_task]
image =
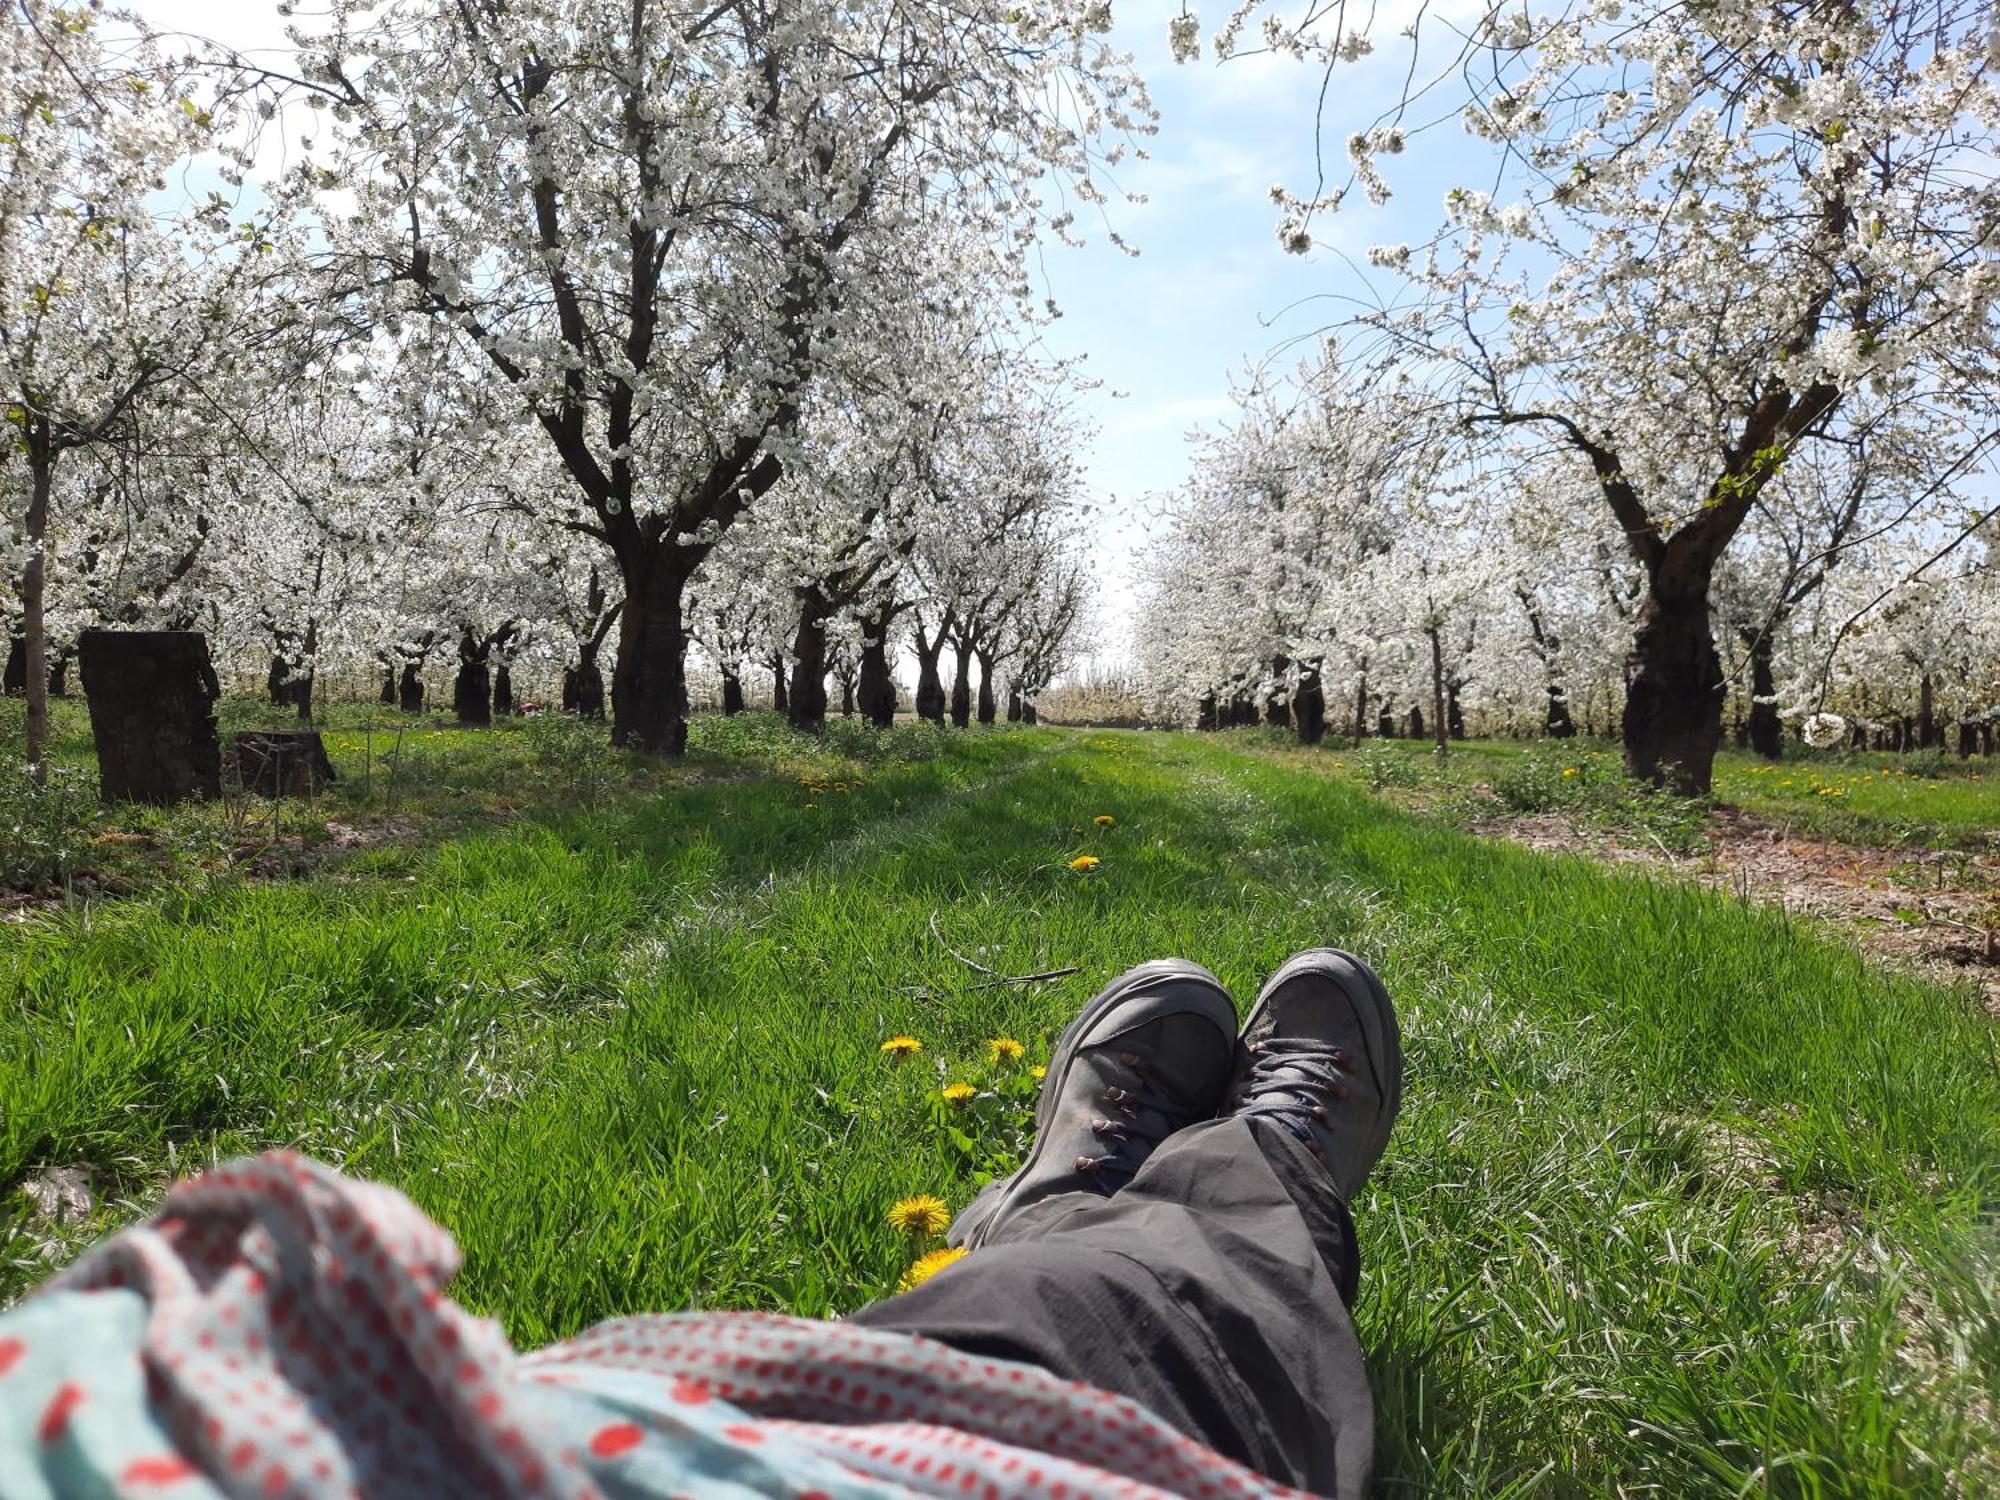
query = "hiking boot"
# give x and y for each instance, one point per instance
(1322, 1058)
(1151, 1052)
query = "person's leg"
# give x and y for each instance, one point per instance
(1209, 1290)
(1212, 1288)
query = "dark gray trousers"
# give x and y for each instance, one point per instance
(1212, 1289)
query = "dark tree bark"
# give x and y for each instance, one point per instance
(1361, 709)
(410, 691)
(649, 699)
(1929, 734)
(1968, 739)
(961, 688)
(14, 681)
(388, 684)
(1454, 712)
(59, 675)
(808, 695)
(1439, 724)
(1558, 722)
(585, 685)
(1205, 713)
(847, 695)
(1385, 724)
(282, 762)
(503, 691)
(1029, 714)
(1277, 710)
(732, 692)
(1764, 731)
(472, 689)
(781, 689)
(875, 693)
(988, 705)
(1307, 709)
(152, 714)
(1673, 707)
(1013, 704)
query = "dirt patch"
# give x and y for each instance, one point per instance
(1937, 912)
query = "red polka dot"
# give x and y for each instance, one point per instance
(55, 1416)
(619, 1437)
(275, 1480)
(742, 1434)
(242, 1455)
(689, 1392)
(11, 1351)
(167, 1470)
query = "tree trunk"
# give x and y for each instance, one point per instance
(1277, 711)
(1416, 722)
(410, 691)
(585, 685)
(732, 691)
(152, 714)
(1766, 729)
(472, 689)
(1673, 706)
(781, 694)
(1439, 724)
(1307, 709)
(388, 684)
(876, 693)
(808, 696)
(930, 684)
(1385, 723)
(989, 708)
(1968, 739)
(1029, 714)
(503, 691)
(14, 681)
(1454, 713)
(1013, 704)
(649, 700)
(847, 695)
(961, 689)
(1928, 732)
(1361, 710)
(1558, 722)
(34, 615)
(1205, 712)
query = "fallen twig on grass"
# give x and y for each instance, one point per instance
(1025, 978)
(969, 963)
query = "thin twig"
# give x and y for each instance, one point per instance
(969, 963)
(1025, 978)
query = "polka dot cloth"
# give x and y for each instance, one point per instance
(279, 1330)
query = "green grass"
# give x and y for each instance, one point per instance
(1852, 797)
(1684, 1200)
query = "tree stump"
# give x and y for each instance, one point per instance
(283, 762)
(152, 713)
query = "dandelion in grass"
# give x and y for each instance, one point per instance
(921, 1216)
(1105, 820)
(899, 1047)
(1004, 1049)
(959, 1094)
(1085, 862)
(1038, 1072)
(928, 1265)
(1569, 770)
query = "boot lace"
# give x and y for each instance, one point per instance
(1289, 1083)
(1144, 1117)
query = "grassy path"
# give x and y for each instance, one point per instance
(1684, 1201)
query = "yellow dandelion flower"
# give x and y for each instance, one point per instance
(1038, 1071)
(1004, 1049)
(1085, 862)
(1104, 820)
(922, 1215)
(928, 1265)
(958, 1093)
(900, 1047)
(1569, 770)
